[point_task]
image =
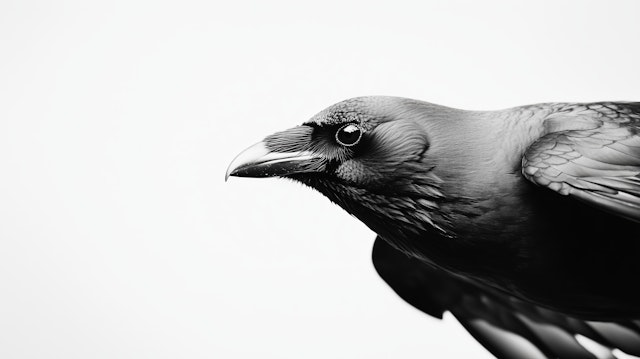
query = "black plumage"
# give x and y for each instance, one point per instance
(523, 221)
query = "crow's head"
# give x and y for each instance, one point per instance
(376, 157)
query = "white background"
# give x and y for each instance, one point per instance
(118, 235)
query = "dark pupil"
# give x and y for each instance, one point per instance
(349, 135)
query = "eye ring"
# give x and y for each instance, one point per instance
(349, 135)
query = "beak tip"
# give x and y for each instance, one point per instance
(230, 172)
(245, 157)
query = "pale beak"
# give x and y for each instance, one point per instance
(259, 161)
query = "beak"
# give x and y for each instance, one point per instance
(259, 161)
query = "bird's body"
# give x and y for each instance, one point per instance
(462, 194)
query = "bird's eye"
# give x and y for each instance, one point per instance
(349, 135)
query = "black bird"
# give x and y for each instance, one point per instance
(523, 223)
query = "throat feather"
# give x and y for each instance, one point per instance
(404, 215)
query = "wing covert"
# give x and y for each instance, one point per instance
(598, 165)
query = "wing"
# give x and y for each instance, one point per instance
(592, 153)
(506, 326)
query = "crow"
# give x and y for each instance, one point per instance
(523, 223)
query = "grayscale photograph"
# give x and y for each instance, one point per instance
(412, 179)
